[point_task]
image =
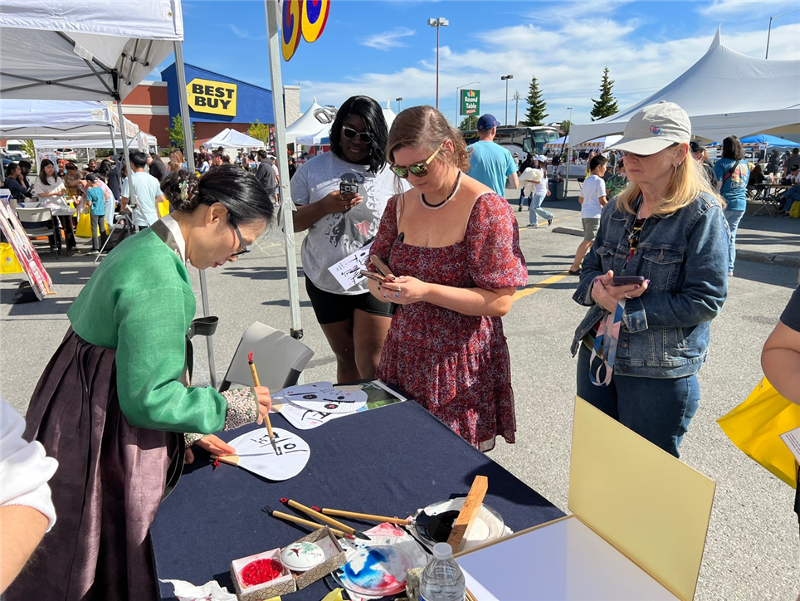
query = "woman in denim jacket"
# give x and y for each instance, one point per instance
(667, 226)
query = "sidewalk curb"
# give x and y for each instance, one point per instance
(745, 255)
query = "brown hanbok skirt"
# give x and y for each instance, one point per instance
(107, 489)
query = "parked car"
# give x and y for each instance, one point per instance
(15, 150)
(66, 154)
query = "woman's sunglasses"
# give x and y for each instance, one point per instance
(350, 133)
(418, 169)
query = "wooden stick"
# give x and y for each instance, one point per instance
(318, 516)
(290, 518)
(229, 459)
(365, 516)
(468, 513)
(267, 423)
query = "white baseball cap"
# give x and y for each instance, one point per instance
(655, 128)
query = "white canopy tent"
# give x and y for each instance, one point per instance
(389, 114)
(51, 118)
(600, 143)
(318, 138)
(230, 138)
(66, 50)
(306, 125)
(142, 141)
(725, 93)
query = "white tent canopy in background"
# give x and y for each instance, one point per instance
(724, 93)
(320, 137)
(230, 138)
(67, 50)
(141, 141)
(389, 114)
(52, 118)
(306, 125)
(597, 144)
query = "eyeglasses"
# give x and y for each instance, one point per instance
(625, 153)
(350, 133)
(418, 169)
(243, 248)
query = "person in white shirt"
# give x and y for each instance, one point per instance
(26, 506)
(147, 189)
(593, 198)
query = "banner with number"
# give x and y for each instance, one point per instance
(302, 18)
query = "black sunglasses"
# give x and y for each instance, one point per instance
(243, 250)
(350, 133)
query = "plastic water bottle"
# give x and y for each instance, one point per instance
(442, 579)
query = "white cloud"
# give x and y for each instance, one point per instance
(388, 39)
(239, 33)
(721, 9)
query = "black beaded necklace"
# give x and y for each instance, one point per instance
(446, 200)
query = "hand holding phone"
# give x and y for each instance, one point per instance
(376, 277)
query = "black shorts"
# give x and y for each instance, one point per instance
(332, 308)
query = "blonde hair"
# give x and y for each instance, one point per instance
(687, 183)
(425, 127)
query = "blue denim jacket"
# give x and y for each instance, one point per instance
(665, 332)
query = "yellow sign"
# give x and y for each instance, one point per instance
(216, 97)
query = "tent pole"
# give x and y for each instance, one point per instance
(287, 206)
(566, 176)
(134, 202)
(113, 141)
(188, 147)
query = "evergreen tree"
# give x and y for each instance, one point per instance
(565, 125)
(607, 104)
(468, 122)
(176, 132)
(536, 105)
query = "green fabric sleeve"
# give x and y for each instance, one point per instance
(152, 326)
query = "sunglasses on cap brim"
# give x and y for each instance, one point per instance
(418, 169)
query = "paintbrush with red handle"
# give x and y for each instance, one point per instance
(267, 423)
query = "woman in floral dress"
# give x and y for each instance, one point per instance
(453, 246)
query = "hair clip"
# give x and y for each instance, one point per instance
(184, 190)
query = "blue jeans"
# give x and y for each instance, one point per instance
(536, 209)
(658, 409)
(733, 218)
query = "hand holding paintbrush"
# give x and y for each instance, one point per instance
(262, 414)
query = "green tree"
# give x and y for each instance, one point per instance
(176, 132)
(259, 131)
(607, 104)
(468, 122)
(28, 148)
(565, 125)
(536, 105)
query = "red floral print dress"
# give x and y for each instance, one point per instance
(455, 365)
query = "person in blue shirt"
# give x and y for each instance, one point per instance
(490, 163)
(95, 197)
(732, 173)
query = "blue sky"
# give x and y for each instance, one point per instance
(386, 49)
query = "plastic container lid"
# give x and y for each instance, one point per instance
(442, 551)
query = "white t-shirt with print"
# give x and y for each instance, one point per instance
(593, 188)
(337, 235)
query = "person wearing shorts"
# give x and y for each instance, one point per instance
(593, 198)
(339, 223)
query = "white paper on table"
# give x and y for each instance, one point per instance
(257, 455)
(792, 440)
(323, 397)
(347, 270)
(210, 591)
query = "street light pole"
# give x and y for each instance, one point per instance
(437, 23)
(398, 103)
(769, 30)
(516, 109)
(458, 98)
(506, 78)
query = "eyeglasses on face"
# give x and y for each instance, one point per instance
(350, 133)
(418, 169)
(242, 246)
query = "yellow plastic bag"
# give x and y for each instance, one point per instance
(755, 427)
(8, 260)
(84, 229)
(795, 210)
(163, 208)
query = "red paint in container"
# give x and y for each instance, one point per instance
(261, 571)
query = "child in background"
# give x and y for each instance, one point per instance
(95, 197)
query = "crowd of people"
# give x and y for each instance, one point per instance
(444, 263)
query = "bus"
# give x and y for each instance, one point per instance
(521, 139)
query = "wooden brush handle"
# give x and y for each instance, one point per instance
(318, 516)
(302, 522)
(365, 516)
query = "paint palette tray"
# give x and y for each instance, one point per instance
(375, 571)
(434, 523)
(282, 585)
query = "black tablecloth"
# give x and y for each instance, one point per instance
(388, 461)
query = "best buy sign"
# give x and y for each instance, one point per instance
(216, 97)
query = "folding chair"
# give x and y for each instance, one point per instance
(48, 227)
(279, 359)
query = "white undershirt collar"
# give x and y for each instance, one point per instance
(175, 229)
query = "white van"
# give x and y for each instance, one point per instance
(16, 151)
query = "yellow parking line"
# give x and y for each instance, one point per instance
(528, 290)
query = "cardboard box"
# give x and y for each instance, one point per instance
(334, 557)
(282, 585)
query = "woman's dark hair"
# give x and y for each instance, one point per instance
(732, 148)
(238, 191)
(372, 115)
(154, 156)
(11, 168)
(42, 174)
(25, 166)
(104, 168)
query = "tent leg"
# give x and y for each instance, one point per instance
(566, 176)
(287, 206)
(188, 147)
(134, 202)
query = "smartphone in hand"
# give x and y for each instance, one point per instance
(373, 276)
(627, 280)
